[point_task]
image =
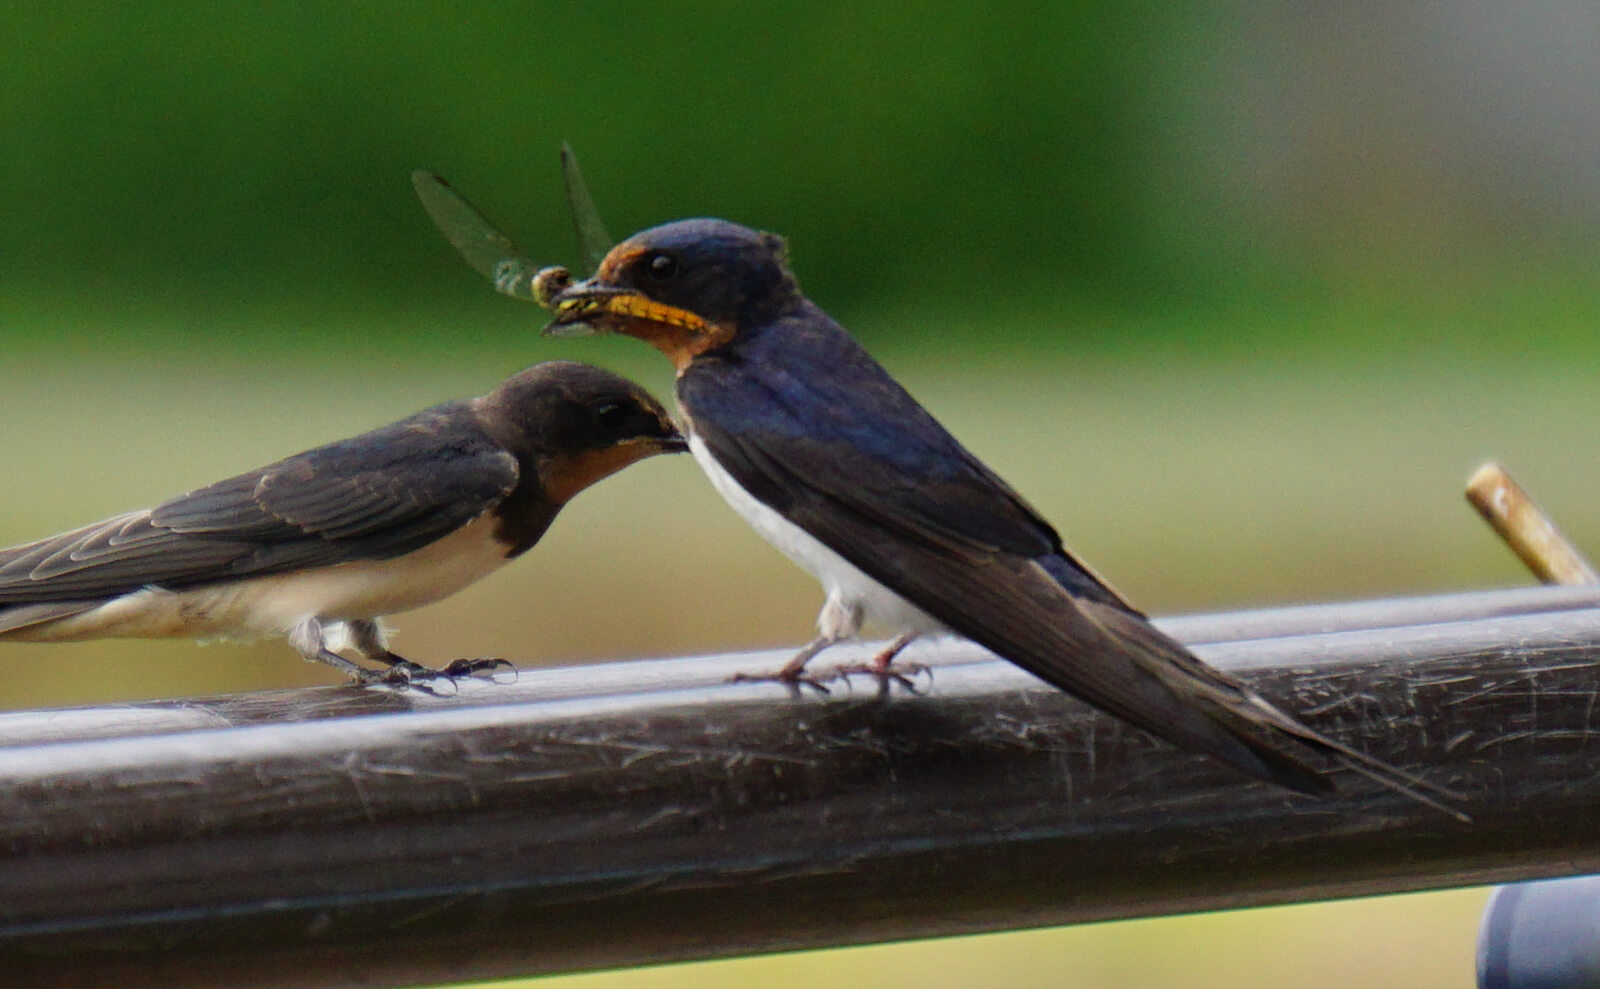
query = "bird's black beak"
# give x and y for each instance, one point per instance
(579, 309)
(671, 439)
(591, 306)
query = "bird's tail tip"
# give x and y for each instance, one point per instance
(1440, 798)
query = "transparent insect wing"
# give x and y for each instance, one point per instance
(490, 252)
(593, 240)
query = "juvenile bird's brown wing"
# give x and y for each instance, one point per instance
(376, 496)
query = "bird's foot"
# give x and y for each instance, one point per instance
(794, 675)
(488, 667)
(904, 674)
(794, 680)
(403, 672)
(882, 666)
(400, 677)
(406, 675)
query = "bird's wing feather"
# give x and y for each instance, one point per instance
(897, 466)
(1009, 603)
(904, 502)
(377, 496)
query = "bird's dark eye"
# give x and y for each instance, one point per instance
(661, 266)
(612, 416)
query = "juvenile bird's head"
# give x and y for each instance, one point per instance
(686, 288)
(577, 424)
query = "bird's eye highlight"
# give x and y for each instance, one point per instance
(612, 416)
(661, 266)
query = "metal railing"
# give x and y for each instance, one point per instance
(636, 812)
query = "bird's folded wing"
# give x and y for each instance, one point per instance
(894, 467)
(921, 516)
(1094, 649)
(377, 496)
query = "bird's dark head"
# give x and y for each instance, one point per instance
(577, 424)
(684, 287)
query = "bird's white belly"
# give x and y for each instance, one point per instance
(266, 606)
(838, 576)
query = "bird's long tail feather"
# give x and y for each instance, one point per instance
(1210, 710)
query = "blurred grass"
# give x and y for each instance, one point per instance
(1191, 480)
(1423, 941)
(214, 147)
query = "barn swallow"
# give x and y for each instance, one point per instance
(828, 457)
(833, 462)
(317, 546)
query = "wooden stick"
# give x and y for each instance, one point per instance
(1526, 528)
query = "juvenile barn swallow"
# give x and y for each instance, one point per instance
(833, 462)
(317, 546)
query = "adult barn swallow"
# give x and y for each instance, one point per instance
(831, 460)
(317, 546)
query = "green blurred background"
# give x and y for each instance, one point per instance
(1236, 295)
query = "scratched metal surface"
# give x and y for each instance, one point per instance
(643, 812)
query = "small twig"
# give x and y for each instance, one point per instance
(1526, 528)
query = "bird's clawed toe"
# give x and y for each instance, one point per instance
(487, 667)
(793, 679)
(903, 674)
(424, 679)
(403, 672)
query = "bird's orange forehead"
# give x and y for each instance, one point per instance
(616, 259)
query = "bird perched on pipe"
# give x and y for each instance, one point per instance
(317, 546)
(809, 439)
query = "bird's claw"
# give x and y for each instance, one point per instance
(794, 681)
(491, 667)
(405, 673)
(904, 674)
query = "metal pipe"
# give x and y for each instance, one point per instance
(639, 812)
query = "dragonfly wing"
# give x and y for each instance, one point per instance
(488, 250)
(593, 241)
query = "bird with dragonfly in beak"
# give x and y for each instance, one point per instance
(825, 455)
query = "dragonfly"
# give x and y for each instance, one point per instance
(493, 254)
